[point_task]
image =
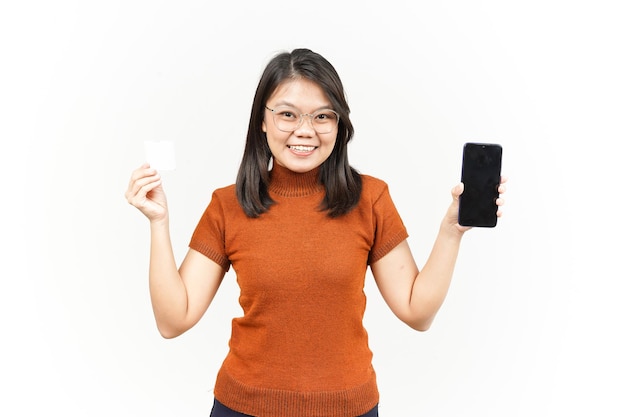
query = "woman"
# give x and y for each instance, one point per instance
(299, 227)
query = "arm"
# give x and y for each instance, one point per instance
(179, 296)
(415, 297)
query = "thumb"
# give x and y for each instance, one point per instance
(457, 190)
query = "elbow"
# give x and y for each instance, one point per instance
(420, 318)
(168, 335)
(420, 327)
(420, 324)
(172, 326)
(169, 332)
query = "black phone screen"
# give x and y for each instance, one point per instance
(481, 177)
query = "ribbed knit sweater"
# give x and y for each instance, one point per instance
(300, 348)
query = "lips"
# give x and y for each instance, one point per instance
(301, 148)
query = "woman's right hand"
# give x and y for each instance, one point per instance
(145, 191)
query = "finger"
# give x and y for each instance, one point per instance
(140, 199)
(457, 190)
(143, 185)
(149, 187)
(143, 171)
(499, 202)
(502, 188)
(503, 179)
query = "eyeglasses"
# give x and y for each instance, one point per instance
(288, 119)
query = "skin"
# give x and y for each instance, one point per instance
(180, 296)
(307, 97)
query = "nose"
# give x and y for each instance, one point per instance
(305, 128)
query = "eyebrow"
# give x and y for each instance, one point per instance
(288, 104)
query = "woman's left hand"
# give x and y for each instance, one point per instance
(451, 219)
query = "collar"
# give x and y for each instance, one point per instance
(287, 183)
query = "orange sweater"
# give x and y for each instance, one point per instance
(300, 349)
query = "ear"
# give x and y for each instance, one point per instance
(263, 127)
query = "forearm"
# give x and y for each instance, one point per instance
(167, 290)
(432, 283)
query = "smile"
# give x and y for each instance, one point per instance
(301, 148)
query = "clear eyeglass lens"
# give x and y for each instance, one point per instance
(288, 120)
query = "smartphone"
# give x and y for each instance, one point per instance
(480, 174)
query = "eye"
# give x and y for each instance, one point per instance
(326, 116)
(286, 114)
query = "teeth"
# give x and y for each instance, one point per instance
(302, 148)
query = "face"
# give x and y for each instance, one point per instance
(303, 149)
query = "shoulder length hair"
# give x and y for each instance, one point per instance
(341, 182)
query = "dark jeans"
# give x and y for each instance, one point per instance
(220, 410)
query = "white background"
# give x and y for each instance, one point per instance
(533, 324)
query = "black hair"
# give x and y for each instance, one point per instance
(341, 181)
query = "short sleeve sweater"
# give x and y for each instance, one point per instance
(300, 348)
